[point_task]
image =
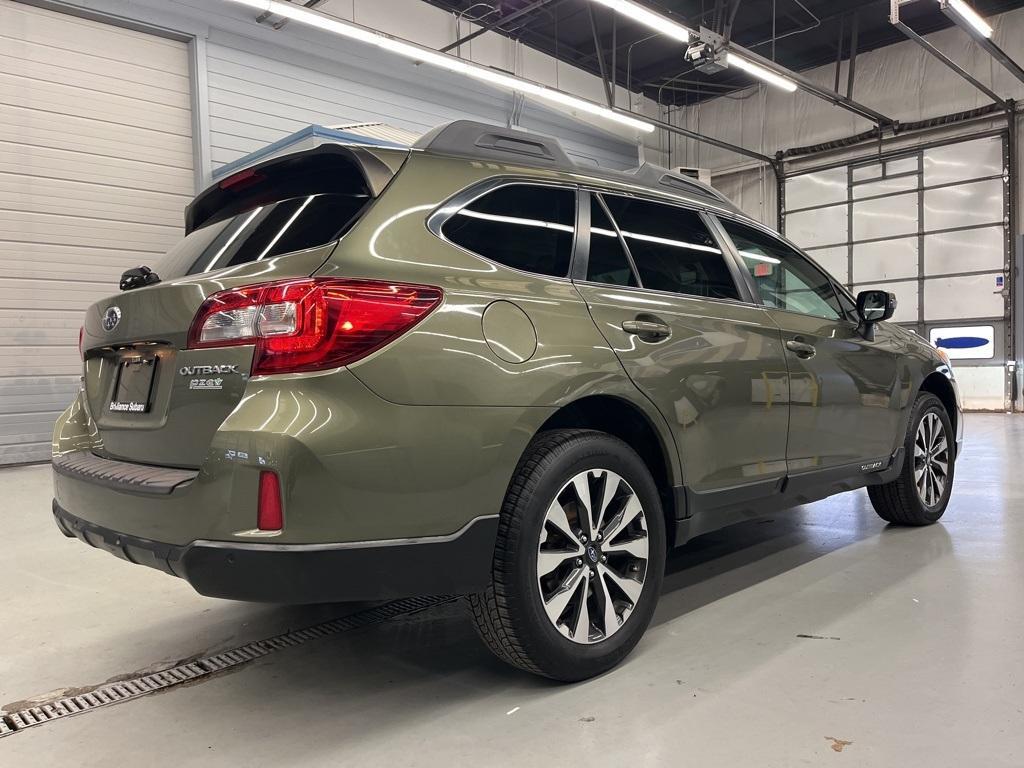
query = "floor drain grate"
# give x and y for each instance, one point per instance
(124, 690)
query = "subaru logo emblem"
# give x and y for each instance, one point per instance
(592, 554)
(111, 318)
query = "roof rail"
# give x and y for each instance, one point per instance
(468, 138)
(491, 142)
(656, 175)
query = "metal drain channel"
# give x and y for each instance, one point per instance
(125, 690)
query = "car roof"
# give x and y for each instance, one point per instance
(481, 141)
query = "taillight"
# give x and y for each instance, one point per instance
(309, 325)
(81, 339)
(268, 510)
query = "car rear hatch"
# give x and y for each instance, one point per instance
(152, 398)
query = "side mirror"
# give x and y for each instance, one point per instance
(874, 307)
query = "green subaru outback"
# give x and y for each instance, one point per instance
(476, 368)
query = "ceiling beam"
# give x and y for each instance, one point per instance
(700, 137)
(984, 41)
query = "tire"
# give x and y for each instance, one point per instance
(902, 501)
(514, 615)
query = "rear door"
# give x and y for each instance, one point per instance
(678, 316)
(844, 393)
(154, 400)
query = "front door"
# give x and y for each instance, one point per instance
(671, 306)
(844, 394)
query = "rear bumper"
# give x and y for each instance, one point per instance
(310, 573)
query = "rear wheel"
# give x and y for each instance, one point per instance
(579, 557)
(921, 492)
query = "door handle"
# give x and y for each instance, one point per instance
(801, 350)
(647, 330)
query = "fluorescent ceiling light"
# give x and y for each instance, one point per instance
(648, 18)
(759, 257)
(760, 72)
(969, 15)
(440, 60)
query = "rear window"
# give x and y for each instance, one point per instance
(301, 202)
(266, 231)
(524, 226)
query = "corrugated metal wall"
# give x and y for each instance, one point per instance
(95, 168)
(260, 93)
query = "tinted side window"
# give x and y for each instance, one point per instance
(608, 262)
(672, 249)
(521, 225)
(784, 278)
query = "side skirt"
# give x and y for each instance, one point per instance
(706, 512)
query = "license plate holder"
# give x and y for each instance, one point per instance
(134, 385)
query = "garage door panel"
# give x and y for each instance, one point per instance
(967, 296)
(65, 99)
(30, 127)
(38, 394)
(963, 161)
(71, 33)
(71, 198)
(173, 93)
(70, 262)
(71, 230)
(37, 327)
(77, 166)
(885, 259)
(963, 205)
(24, 52)
(970, 250)
(49, 295)
(42, 361)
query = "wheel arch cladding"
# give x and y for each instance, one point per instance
(939, 385)
(622, 419)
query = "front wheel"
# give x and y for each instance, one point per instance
(579, 558)
(920, 494)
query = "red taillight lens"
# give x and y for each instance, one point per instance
(309, 325)
(81, 339)
(268, 511)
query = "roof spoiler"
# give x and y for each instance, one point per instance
(374, 169)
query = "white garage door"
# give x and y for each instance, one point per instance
(95, 170)
(932, 226)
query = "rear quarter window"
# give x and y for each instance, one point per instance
(524, 226)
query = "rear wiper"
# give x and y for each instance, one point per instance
(137, 277)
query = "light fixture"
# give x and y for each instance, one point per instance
(760, 72)
(441, 60)
(969, 15)
(648, 18)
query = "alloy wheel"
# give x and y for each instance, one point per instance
(592, 556)
(931, 459)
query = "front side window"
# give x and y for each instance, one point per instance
(784, 278)
(672, 248)
(524, 226)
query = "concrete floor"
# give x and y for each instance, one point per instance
(919, 661)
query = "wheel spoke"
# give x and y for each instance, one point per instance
(581, 628)
(611, 485)
(609, 617)
(586, 518)
(622, 519)
(635, 547)
(549, 559)
(556, 516)
(556, 603)
(631, 588)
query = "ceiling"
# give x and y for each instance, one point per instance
(799, 34)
